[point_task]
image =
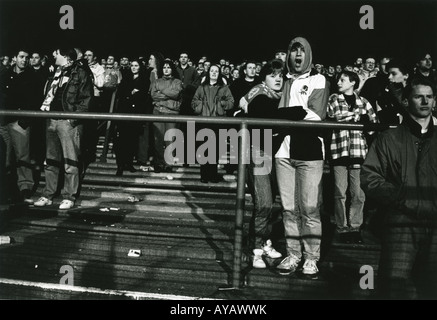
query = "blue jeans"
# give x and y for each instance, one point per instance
(20, 143)
(300, 188)
(343, 177)
(262, 185)
(63, 145)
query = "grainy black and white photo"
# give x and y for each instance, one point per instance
(218, 158)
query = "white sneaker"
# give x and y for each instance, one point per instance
(310, 267)
(146, 168)
(42, 202)
(258, 261)
(66, 204)
(288, 264)
(270, 252)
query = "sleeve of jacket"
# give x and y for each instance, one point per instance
(227, 100)
(156, 96)
(174, 91)
(197, 102)
(99, 78)
(195, 81)
(86, 91)
(318, 100)
(374, 174)
(257, 109)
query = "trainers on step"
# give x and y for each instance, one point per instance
(66, 204)
(270, 252)
(26, 195)
(258, 261)
(310, 267)
(288, 264)
(43, 201)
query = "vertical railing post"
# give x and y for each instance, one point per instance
(104, 154)
(239, 212)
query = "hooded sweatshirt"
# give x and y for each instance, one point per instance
(309, 90)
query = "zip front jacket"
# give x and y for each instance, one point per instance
(212, 100)
(79, 91)
(400, 171)
(167, 95)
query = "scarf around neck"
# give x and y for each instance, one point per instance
(53, 87)
(259, 89)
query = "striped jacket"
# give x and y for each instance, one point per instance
(349, 143)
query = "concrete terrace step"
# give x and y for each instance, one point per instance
(185, 260)
(100, 260)
(91, 243)
(111, 156)
(180, 174)
(113, 273)
(160, 180)
(154, 203)
(171, 196)
(79, 221)
(155, 194)
(128, 213)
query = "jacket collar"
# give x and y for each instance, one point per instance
(416, 129)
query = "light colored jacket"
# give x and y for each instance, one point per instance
(212, 101)
(167, 95)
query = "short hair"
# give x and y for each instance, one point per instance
(21, 50)
(417, 82)
(37, 52)
(68, 52)
(400, 64)
(90, 49)
(353, 76)
(271, 67)
(247, 62)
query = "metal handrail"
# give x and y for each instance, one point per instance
(181, 118)
(241, 178)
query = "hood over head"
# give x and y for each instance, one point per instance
(308, 56)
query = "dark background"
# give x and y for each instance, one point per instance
(236, 30)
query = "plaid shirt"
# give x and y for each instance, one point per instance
(349, 143)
